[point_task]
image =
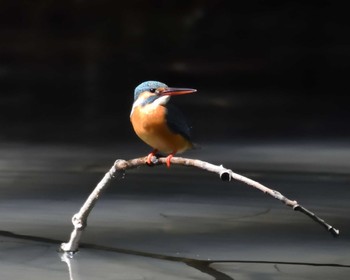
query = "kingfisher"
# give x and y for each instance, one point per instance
(160, 124)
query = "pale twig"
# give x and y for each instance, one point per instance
(120, 166)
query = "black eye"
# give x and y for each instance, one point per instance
(153, 90)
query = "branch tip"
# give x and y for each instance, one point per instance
(335, 232)
(68, 249)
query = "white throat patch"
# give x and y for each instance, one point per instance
(159, 101)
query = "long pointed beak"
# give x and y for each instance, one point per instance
(177, 91)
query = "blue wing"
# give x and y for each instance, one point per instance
(177, 121)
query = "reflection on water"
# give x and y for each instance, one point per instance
(71, 265)
(102, 262)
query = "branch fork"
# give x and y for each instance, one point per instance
(120, 166)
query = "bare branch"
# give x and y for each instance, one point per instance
(120, 166)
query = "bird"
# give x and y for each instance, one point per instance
(159, 124)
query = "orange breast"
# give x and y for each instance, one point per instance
(150, 125)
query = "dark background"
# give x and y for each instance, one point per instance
(263, 69)
(266, 71)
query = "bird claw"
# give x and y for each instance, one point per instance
(168, 159)
(152, 158)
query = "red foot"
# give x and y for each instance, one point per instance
(168, 159)
(150, 156)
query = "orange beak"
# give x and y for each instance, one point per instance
(177, 91)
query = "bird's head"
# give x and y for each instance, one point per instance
(153, 91)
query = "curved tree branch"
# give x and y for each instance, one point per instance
(120, 166)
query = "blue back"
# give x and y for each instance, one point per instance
(177, 122)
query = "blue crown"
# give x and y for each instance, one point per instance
(146, 86)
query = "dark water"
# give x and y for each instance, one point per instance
(179, 223)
